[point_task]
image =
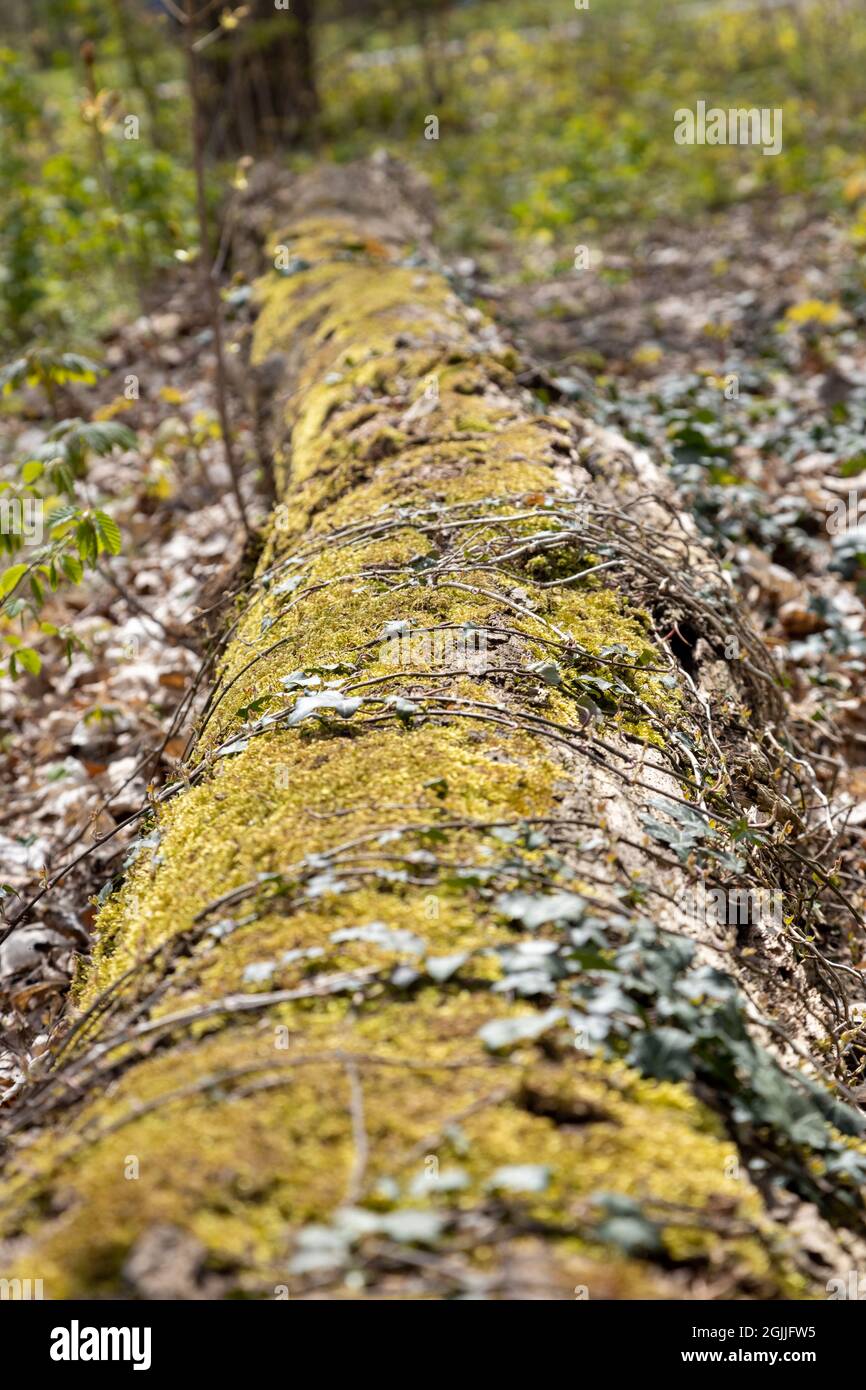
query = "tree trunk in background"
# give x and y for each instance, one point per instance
(135, 39)
(411, 976)
(259, 83)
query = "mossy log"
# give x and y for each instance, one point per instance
(405, 992)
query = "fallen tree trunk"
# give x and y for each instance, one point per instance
(413, 986)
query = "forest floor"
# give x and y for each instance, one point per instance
(729, 348)
(734, 351)
(91, 738)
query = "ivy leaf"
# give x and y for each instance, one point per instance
(630, 1231)
(329, 700)
(597, 682)
(548, 671)
(665, 1053)
(378, 934)
(293, 267)
(298, 679)
(446, 1180)
(289, 586)
(237, 745)
(520, 1177)
(404, 709)
(502, 1033)
(534, 910)
(252, 709)
(682, 837)
(686, 815)
(441, 968)
(413, 1227)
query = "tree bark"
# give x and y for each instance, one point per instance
(410, 982)
(259, 93)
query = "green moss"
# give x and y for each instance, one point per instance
(239, 1171)
(242, 1120)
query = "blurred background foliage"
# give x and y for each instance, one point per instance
(555, 123)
